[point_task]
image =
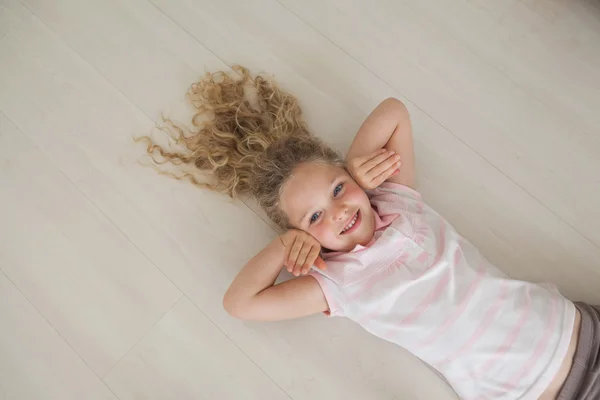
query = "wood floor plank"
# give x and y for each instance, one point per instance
(96, 288)
(142, 52)
(546, 47)
(150, 59)
(8, 19)
(171, 363)
(35, 362)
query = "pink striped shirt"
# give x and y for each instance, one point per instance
(421, 285)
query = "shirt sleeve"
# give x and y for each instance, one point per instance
(402, 189)
(393, 198)
(332, 293)
(402, 208)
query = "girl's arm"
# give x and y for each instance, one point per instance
(253, 294)
(388, 126)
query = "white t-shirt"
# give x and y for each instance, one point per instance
(419, 284)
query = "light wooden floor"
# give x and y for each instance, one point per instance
(112, 276)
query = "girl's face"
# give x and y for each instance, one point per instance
(326, 202)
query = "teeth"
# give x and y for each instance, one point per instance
(351, 224)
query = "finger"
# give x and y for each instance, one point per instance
(374, 158)
(310, 259)
(303, 257)
(390, 165)
(361, 167)
(378, 159)
(297, 268)
(362, 159)
(378, 180)
(292, 254)
(320, 263)
(288, 249)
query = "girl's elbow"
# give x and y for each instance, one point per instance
(229, 304)
(235, 307)
(393, 102)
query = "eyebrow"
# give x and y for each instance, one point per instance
(335, 178)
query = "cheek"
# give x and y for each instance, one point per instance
(323, 231)
(355, 194)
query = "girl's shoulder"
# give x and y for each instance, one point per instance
(390, 192)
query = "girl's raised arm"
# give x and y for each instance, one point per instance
(253, 294)
(388, 126)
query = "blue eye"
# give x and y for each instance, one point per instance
(314, 217)
(337, 189)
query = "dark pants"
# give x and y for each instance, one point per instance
(583, 382)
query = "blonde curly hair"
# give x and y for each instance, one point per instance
(249, 136)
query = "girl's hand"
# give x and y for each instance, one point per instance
(373, 169)
(301, 252)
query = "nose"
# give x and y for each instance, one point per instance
(340, 213)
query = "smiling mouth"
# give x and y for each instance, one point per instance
(352, 224)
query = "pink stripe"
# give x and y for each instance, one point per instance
(379, 276)
(382, 275)
(430, 298)
(438, 290)
(421, 227)
(458, 313)
(542, 344)
(487, 321)
(440, 248)
(510, 339)
(423, 257)
(439, 251)
(435, 293)
(457, 255)
(508, 342)
(372, 282)
(377, 310)
(375, 278)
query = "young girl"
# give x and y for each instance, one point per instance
(363, 244)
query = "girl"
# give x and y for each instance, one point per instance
(363, 244)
